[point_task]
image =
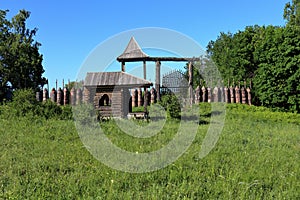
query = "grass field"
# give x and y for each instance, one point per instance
(257, 157)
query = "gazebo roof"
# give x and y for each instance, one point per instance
(121, 79)
(133, 53)
(133, 50)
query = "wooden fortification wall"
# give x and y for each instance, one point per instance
(139, 96)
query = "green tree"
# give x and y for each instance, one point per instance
(74, 84)
(233, 53)
(270, 55)
(197, 73)
(219, 52)
(292, 13)
(277, 78)
(205, 73)
(20, 60)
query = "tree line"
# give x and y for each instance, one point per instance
(268, 55)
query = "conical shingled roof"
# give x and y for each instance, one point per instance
(132, 51)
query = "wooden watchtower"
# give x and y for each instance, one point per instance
(133, 53)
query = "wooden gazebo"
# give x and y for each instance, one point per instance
(133, 53)
(109, 91)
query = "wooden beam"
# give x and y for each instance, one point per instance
(145, 70)
(174, 59)
(123, 66)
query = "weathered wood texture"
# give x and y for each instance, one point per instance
(137, 96)
(191, 95)
(134, 53)
(157, 78)
(112, 79)
(133, 50)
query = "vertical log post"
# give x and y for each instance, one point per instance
(243, 92)
(130, 102)
(191, 83)
(78, 96)
(226, 96)
(133, 98)
(136, 97)
(157, 79)
(53, 95)
(153, 95)
(125, 102)
(45, 95)
(204, 94)
(140, 97)
(145, 69)
(216, 94)
(249, 96)
(221, 94)
(123, 66)
(208, 94)
(73, 97)
(66, 96)
(237, 95)
(231, 94)
(146, 101)
(59, 97)
(86, 95)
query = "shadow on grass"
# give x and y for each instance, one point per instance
(211, 113)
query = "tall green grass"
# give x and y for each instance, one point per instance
(257, 157)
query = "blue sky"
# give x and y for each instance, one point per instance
(70, 30)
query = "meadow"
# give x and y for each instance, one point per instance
(256, 157)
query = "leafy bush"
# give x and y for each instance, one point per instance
(24, 103)
(171, 104)
(66, 112)
(50, 109)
